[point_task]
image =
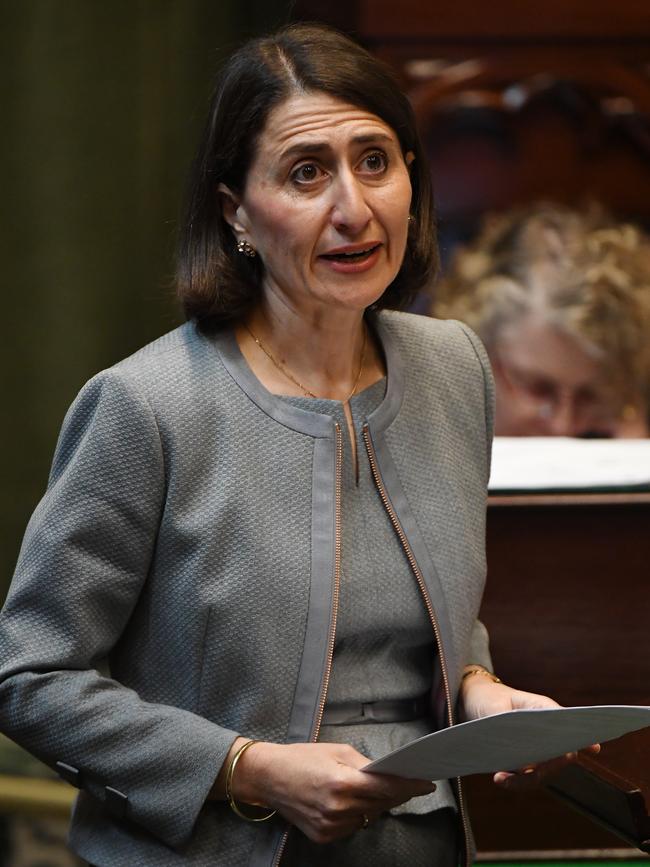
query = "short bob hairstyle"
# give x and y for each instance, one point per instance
(216, 284)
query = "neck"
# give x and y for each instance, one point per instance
(322, 349)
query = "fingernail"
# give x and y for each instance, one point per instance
(528, 770)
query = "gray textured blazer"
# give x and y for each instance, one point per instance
(176, 584)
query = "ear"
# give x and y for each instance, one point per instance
(409, 157)
(231, 209)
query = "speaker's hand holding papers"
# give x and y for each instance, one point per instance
(481, 697)
(516, 739)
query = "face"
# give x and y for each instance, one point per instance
(547, 385)
(325, 205)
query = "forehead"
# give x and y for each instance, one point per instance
(317, 118)
(537, 346)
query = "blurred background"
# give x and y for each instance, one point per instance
(102, 104)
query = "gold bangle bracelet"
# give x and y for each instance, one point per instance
(484, 672)
(234, 806)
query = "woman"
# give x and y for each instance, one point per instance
(561, 299)
(267, 527)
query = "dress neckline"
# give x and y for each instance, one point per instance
(359, 397)
(306, 420)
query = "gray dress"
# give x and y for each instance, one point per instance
(384, 649)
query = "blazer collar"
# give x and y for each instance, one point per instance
(305, 421)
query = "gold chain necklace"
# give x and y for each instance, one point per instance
(293, 379)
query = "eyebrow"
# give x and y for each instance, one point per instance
(317, 147)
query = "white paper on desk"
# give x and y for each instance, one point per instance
(511, 740)
(562, 463)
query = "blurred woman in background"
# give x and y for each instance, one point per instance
(561, 299)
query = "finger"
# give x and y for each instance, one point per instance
(517, 781)
(549, 765)
(352, 758)
(530, 700)
(379, 806)
(321, 833)
(324, 826)
(397, 789)
(328, 831)
(395, 792)
(501, 777)
(532, 775)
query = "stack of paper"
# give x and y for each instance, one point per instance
(508, 741)
(564, 464)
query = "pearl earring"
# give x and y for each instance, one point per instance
(246, 249)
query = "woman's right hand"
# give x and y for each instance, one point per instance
(320, 787)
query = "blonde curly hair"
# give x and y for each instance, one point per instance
(585, 273)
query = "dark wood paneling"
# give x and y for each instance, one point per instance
(519, 102)
(532, 822)
(567, 599)
(567, 607)
(439, 19)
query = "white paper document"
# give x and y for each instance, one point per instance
(561, 463)
(508, 741)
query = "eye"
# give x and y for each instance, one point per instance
(306, 173)
(374, 163)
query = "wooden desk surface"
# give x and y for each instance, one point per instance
(567, 605)
(636, 499)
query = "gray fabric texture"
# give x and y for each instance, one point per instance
(390, 841)
(385, 647)
(185, 546)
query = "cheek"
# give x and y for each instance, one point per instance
(397, 225)
(395, 207)
(268, 221)
(403, 191)
(283, 228)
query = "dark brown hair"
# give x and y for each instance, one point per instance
(216, 284)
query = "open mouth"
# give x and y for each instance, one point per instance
(357, 256)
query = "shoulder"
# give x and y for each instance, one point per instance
(444, 364)
(167, 371)
(160, 381)
(427, 338)
(177, 351)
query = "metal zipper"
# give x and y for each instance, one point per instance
(337, 579)
(335, 607)
(430, 611)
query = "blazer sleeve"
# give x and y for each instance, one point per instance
(83, 563)
(479, 648)
(488, 391)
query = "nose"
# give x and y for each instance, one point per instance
(351, 211)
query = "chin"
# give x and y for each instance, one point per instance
(358, 300)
